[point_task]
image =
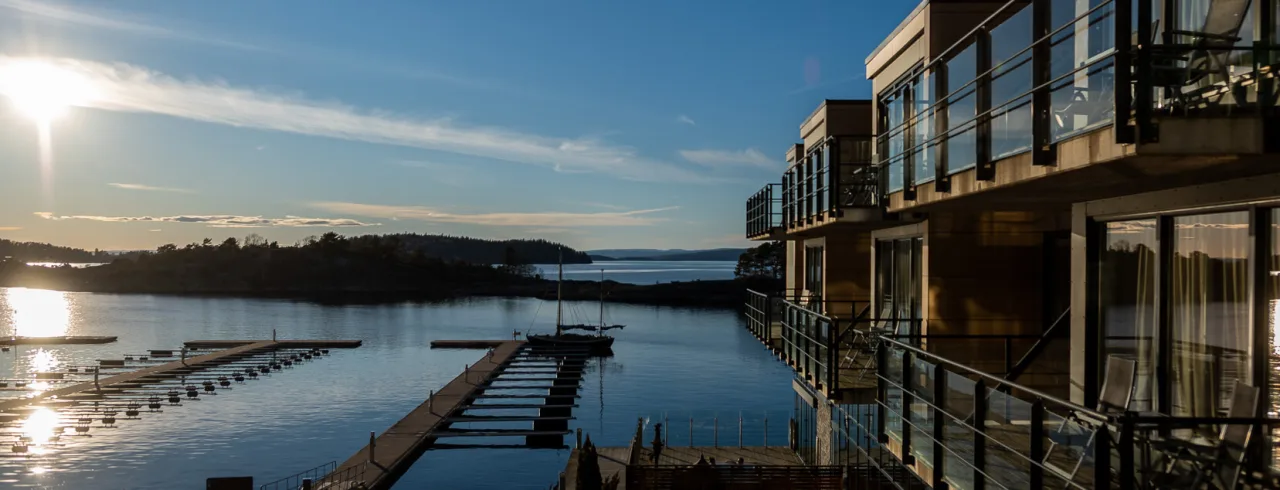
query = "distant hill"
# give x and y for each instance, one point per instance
(671, 255)
(481, 251)
(444, 247)
(44, 252)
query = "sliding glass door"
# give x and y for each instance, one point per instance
(899, 283)
(1174, 297)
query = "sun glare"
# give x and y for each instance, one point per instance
(41, 90)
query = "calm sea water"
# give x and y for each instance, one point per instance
(645, 271)
(686, 362)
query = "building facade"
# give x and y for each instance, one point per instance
(1046, 253)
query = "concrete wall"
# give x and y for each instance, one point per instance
(825, 437)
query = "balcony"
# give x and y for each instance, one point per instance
(1047, 86)
(764, 213)
(835, 182)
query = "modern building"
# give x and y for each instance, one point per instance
(1046, 254)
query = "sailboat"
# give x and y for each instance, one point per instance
(597, 343)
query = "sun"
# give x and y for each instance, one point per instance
(41, 90)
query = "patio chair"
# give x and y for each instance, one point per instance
(1191, 465)
(1202, 53)
(1114, 398)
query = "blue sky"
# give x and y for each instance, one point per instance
(599, 124)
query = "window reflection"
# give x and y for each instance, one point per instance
(1209, 311)
(1127, 278)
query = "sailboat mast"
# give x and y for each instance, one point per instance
(559, 289)
(601, 301)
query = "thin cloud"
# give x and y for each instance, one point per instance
(723, 158)
(152, 188)
(127, 88)
(549, 219)
(221, 221)
(686, 119)
(10, 228)
(155, 230)
(113, 20)
(554, 231)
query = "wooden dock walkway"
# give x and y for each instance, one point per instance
(379, 465)
(133, 379)
(58, 340)
(282, 344)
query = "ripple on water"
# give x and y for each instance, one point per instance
(323, 410)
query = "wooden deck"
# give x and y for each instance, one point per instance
(283, 344)
(395, 450)
(59, 340)
(613, 460)
(466, 344)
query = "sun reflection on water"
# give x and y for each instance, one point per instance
(39, 429)
(38, 312)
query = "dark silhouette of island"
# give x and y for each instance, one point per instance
(44, 252)
(369, 268)
(676, 255)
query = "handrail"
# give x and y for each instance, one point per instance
(996, 379)
(1022, 364)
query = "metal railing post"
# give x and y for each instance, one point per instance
(939, 423)
(690, 431)
(372, 447)
(1102, 453)
(979, 434)
(766, 429)
(882, 391)
(306, 484)
(1037, 445)
(1008, 355)
(1126, 451)
(715, 431)
(908, 397)
(739, 429)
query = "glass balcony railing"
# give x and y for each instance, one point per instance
(1036, 73)
(764, 212)
(835, 175)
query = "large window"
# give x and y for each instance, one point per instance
(813, 270)
(1209, 311)
(1174, 297)
(1127, 278)
(898, 279)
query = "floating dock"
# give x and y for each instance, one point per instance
(133, 379)
(466, 344)
(58, 340)
(281, 344)
(381, 463)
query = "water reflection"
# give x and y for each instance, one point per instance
(38, 312)
(40, 429)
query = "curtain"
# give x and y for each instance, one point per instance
(1209, 311)
(1127, 301)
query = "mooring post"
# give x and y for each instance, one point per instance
(372, 444)
(579, 446)
(766, 429)
(431, 397)
(690, 431)
(739, 429)
(273, 335)
(715, 431)
(95, 381)
(666, 439)
(184, 355)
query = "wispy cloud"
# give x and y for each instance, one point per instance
(155, 230)
(600, 205)
(221, 221)
(127, 88)
(686, 119)
(724, 158)
(10, 228)
(554, 231)
(113, 20)
(143, 187)
(641, 217)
